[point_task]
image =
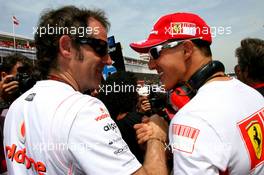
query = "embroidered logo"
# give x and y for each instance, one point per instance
(184, 138)
(30, 97)
(104, 114)
(252, 130)
(183, 28)
(22, 132)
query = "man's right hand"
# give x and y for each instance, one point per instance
(144, 104)
(155, 128)
(8, 87)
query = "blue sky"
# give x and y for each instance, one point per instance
(132, 20)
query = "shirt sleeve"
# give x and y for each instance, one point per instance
(95, 143)
(197, 147)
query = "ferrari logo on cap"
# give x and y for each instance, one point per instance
(252, 129)
(255, 135)
(183, 28)
(177, 28)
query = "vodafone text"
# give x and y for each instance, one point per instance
(21, 157)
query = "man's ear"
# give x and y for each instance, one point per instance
(187, 48)
(237, 70)
(65, 46)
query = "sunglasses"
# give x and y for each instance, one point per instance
(154, 52)
(98, 45)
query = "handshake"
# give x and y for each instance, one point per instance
(152, 128)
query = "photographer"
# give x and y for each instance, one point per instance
(151, 101)
(13, 68)
(122, 108)
(143, 105)
(9, 91)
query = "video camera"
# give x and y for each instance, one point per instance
(25, 78)
(158, 102)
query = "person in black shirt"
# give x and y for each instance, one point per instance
(121, 102)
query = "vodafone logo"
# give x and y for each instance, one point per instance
(21, 157)
(103, 115)
(22, 133)
(102, 110)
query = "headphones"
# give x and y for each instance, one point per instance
(184, 92)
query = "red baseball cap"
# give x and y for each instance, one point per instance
(176, 26)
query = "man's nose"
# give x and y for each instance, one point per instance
(151, 64)
(107, 60)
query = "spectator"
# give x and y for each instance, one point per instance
(121, 104)
(57, 128)
(143, 105)
(250, 67)
(220, 130)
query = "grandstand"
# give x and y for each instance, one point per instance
(24, 45)
(140, 67)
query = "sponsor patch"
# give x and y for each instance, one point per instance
(183, 28)
(20, 156)
(252, 131)
(111, 127)
(104, 114)
(111, 142)
(155, 32)
(22, 132)
(184, 138)
(121, 150)
(30, 97)
(140, 42)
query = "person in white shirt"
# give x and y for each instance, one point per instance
(54, 128)
(220, 130)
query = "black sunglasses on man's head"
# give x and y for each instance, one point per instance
(98, 45)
